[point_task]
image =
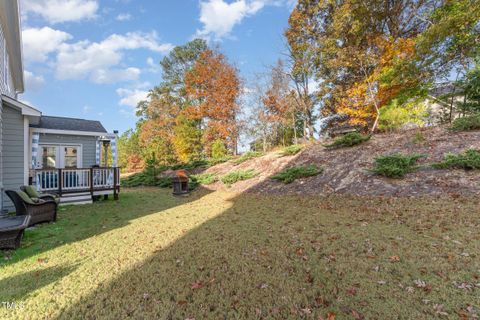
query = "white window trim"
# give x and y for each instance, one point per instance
(60, 153)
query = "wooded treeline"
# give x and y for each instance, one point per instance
(368, 64)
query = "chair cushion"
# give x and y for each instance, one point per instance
(25, 197)
(32, 192)
(13, 223)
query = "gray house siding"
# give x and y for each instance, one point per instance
(13, 152)
(88, 145)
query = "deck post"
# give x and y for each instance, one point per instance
(115, 178)
(60, 182)
(91, 182)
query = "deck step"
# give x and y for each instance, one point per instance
(76, 198)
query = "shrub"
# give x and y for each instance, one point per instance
(466, 123)
(204, 178)
(468, 160)
(235, 176)
(349, 140)
(395, 165)
(190, 165)
(219, 151)
(291, 150)
(144, 178)
(289, 175)
(396, 114)
(418, 138)
(247, 156)
(213, 162)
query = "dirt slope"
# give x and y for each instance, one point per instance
(346, 170)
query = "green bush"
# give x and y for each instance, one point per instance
(468, 160)
(247, 156)
(213, 162)
(395, 165)
(139, 179)
(291, 150)
(349, 140)
(418, 138)
(288, 175)
(219, 151)
(466, 123)
(235, 176)
(204, 178)
(396, 114)
(190, 165)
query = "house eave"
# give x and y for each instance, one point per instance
(69, 132)
(26, 110)
(10, 19)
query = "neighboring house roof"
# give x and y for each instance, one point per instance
(69, 124)
(10, 20)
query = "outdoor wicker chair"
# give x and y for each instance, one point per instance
(11, 231)
(41, 211)
(34, 194)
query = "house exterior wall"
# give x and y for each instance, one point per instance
(13, 152)
(6, 79)
(88, 144)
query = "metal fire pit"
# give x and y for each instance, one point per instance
(180, 183)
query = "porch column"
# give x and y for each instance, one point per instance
(113, 146)
(97, 152)
(34, 164)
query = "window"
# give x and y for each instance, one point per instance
(49, 157)
(71, 157)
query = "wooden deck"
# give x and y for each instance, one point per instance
(78, 185)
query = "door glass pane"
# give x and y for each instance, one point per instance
(71, 157)
(49, 157)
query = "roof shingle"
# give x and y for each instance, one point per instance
(72, 124)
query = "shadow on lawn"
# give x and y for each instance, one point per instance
(19, 286)
(76, 223)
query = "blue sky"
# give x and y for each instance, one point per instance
(96, 59)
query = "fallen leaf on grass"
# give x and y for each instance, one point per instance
(197, 285)
(394, 259)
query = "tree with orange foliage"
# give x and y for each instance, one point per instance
(213, 85)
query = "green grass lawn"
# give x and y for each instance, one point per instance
(217, 255)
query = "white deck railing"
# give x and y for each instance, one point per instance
(78, 179)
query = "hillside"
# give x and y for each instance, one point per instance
(346, 169)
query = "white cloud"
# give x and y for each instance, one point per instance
(131, 97)
(96, 60)
(39, 42)
(33, 82)
(57, 11)
(124, 17)
(219, 17)
(115, 75)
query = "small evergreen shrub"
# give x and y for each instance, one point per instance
(395, 165)
(349, 140)
(204, 178)
(466, 123)
(291, 150)
(213, 162)
(418, 138)
(469, 160)
(247, 156)
(138, 179)
(235, 176)
(288, 175)
(190, 165)
(219, 151)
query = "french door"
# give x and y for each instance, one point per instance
(60, 156)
